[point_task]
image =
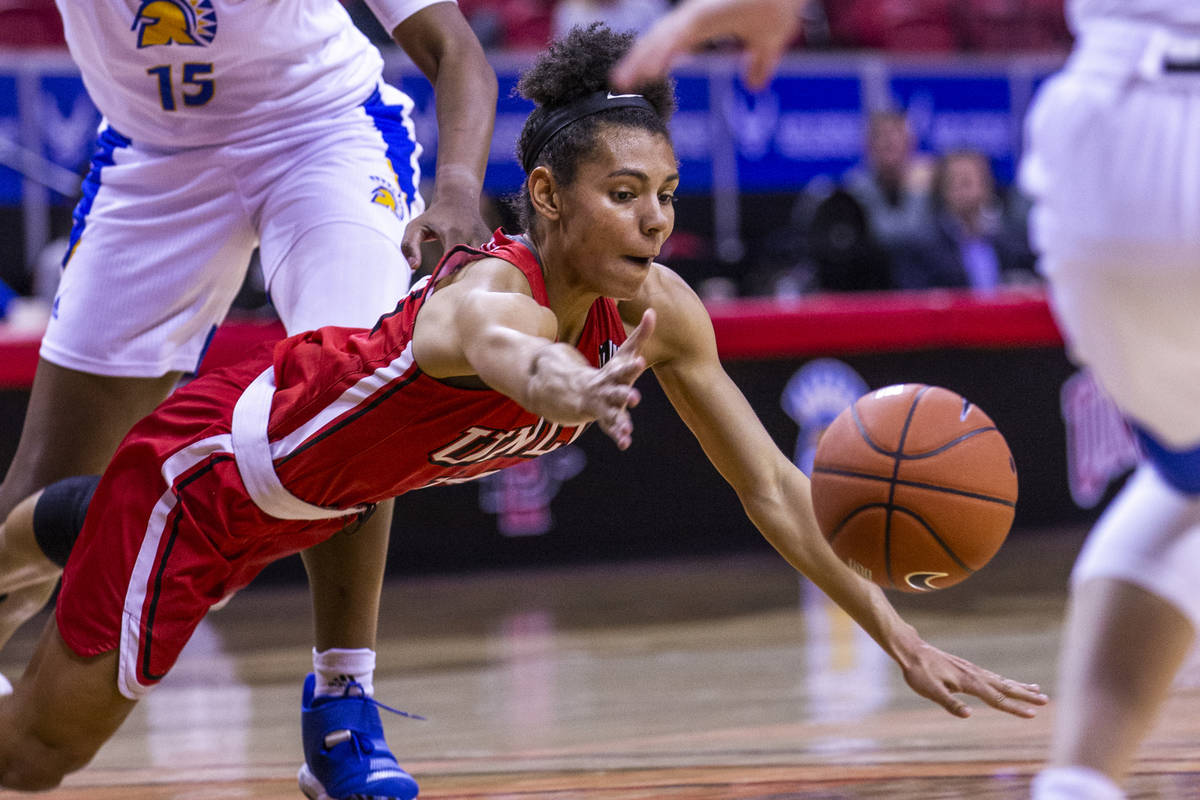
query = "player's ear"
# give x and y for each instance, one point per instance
(543, 193)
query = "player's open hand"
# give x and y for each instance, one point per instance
(764, 27)
(939, 676)
(451, 221)
(611, 394)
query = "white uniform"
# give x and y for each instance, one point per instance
(1113, 166)
(229, 125)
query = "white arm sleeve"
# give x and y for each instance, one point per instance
(391, 13)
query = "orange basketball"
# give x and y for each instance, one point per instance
(914, 487)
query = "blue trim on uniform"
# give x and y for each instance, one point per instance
(391, 121)
(204, 350)
(107, 143)
(7, 295)
(1180, 469)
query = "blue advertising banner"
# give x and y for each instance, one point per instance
(808, 122)
(68, 124)
(954, 112)
(10, 125)
(799, 127)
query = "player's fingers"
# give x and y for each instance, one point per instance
(618, 426)
(1008, 696)
(941, 691)
(647, 60)
(952, 704)
(761, 64)
(472, 235)
(641, 334)
(620, 396)
(1019, 698)
(479, 235)
(626, 369)
(410, 245)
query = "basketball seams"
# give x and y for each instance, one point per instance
(933, 533)
(911, 484)
(887, 522)
(943, 448)
(854, 513)
(880, 514)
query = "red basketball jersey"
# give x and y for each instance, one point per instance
(354, 420)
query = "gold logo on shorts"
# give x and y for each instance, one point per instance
(385, 194)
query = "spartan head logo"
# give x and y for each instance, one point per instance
(384, 197)
(385, 194)
(186, 22)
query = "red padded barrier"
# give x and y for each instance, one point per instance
(835, 324)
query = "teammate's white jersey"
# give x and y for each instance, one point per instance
(186, 73)
(1182, 16)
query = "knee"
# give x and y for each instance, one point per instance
(30, 762)
(33, 766)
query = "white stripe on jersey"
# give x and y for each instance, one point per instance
(252, 452)
(346, 403)
(143, 568)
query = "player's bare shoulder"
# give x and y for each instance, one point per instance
(489, 274)
(683, 326)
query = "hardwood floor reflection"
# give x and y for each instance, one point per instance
(712, 678)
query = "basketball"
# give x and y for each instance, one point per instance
(914, 487)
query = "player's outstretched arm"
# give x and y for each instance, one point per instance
(765, 28)
(443, 46)
(777, 499)
(488, 325)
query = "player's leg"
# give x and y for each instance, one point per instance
(1136, 585)
(159, 250)
(60, 713)
(1118, 238)
(331, 256)
(1133, 594)
(65, 706)
(73, 424)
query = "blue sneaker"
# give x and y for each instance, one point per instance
(345, 754)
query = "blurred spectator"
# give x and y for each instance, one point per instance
(845, 251)
(893, 183)
(841, 233)
(853, 230)
(966, 240)
(619, 15)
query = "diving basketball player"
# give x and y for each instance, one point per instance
(507, 352)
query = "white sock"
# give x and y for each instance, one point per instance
(1074, 783)
(335, 668)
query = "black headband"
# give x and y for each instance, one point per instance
(559, 118)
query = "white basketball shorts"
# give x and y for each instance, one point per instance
(1112, 164)
(162, 239)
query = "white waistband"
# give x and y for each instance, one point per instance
(252, 453)
(1124, 48)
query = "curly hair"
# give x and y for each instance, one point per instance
(574, 67)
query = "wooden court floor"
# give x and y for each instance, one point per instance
(720, 678)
